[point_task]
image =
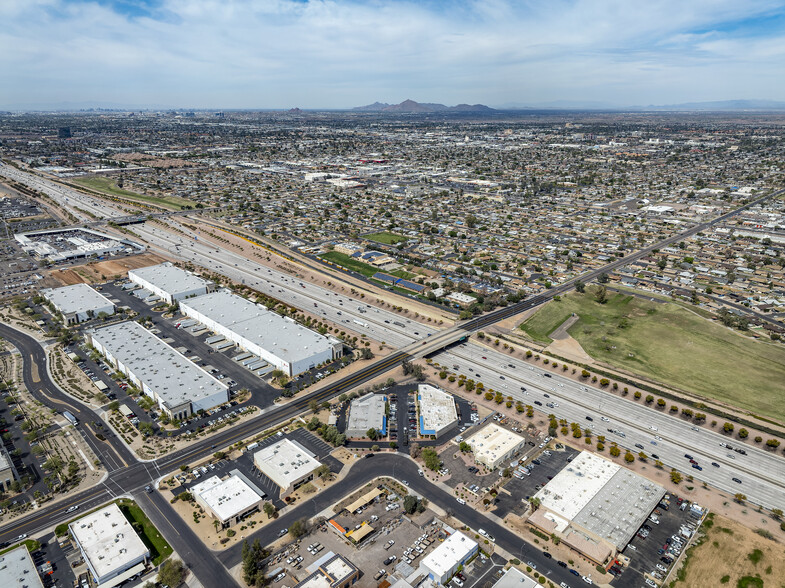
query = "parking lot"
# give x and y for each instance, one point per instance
(246, 466)
(513, 498)
(394, 541)
(646, 554)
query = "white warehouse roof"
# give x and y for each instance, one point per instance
(454, 550)
(169, 374)
(437, 409)
(76, 298)
(285, 462)
(108, 540)
(594, 493)
(226, 498)
(277, 335)
(17, 570)
(493, 442)
(169, 278)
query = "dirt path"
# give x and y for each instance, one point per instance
(565, 346)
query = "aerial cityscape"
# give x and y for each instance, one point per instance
(302, 320)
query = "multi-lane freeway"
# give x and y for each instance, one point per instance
(758, 474)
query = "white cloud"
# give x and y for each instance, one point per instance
(330, 53)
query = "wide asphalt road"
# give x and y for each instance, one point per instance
(402, 468)
(113, 453)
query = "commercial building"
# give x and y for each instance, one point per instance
(278, 340)
(230, 500)
(492, 445)
(288, 464)
(330, 571)
(514, 578)
(437, 411)
(595, 506)
(7, 470)
(17, 570)
(78, 303)
(442, 563)
(179, 386)
(169, 282)
(109, 546)
(63, 244)
(367, 412)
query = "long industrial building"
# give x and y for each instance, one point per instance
(169, 282)
(595, 506)
(109, 546)
(278, 340)
(78, 303)
(178, 385)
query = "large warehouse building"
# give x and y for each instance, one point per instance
(278, 340)
(442, 563)
(109, 546)
(493, 445)
(169, 282)
(288, 464)
(367, 412)
(78, 303)
(595, 506)
(438, 414)
(178, 385)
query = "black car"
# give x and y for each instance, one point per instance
(547, 375)
(562, 563)
(546, 554)
(538, 403)
(715, 464)
(655, 456)
(588, 418)
(687, 456)
(736, 480)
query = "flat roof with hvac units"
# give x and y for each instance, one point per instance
(437, 410)
(278, 340)
(228, 500)
(108, 543)
(287, 463)
(596, 498)
(169, 281)
(444, 561)
(365, 413)
(493, 444)
(17, 569)
(162, 373)
(78, 303)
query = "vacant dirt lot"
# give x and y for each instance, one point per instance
(102, 271)
(731, 552)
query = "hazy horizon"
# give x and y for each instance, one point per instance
(338, 54)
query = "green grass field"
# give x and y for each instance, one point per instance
(387, 238)
(360, 267)
(672, 345)
(159, 548)
(109, 186)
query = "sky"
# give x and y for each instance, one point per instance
(343, 53)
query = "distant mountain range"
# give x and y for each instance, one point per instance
(715, 106)
(410, 106)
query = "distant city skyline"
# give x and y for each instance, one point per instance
(341, 54)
